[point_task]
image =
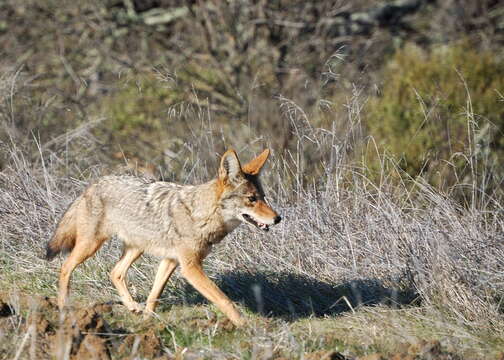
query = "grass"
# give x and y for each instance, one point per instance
(365, 271)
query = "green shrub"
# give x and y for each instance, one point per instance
(440, 111)
(138, 109)
(157, 118)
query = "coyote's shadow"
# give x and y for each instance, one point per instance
(298, 296)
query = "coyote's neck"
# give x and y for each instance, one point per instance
(208, 213)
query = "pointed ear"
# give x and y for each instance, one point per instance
(230, 168)
(254, 166)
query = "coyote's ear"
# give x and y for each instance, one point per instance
(254, 166)
(230, 167)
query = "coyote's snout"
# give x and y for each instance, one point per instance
(175, 222)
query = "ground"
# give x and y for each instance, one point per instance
(32, 327)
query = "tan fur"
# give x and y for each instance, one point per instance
(178, 223)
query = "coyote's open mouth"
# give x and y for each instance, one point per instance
(256, 223)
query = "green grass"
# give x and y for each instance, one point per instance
(203, 330)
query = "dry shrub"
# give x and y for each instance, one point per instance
(343, 236)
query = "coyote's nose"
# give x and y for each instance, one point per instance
(277, 219)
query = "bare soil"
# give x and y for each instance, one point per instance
(82, 333)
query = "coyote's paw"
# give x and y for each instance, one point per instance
(134, 307)
(239, 321)
(148, 313)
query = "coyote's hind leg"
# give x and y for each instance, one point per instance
(80, 253)
(118, 277)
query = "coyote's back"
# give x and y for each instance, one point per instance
(178, 223)
(90, 208)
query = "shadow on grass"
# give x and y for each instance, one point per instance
(297, 296)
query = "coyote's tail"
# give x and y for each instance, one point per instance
(63, 239)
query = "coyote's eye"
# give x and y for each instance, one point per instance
(252, 199)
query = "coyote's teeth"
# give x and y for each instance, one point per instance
(256, 223)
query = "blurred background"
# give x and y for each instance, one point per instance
(156, 85)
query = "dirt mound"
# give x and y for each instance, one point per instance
(81, 333)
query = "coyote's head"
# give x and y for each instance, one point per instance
(242, 197)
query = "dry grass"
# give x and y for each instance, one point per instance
(355, 266)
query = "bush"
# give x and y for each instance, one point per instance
(435, 106)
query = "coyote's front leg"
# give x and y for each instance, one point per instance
(165, 269)
(193, 272)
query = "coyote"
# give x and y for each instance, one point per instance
(179, 223)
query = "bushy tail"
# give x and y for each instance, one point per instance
(63, 239)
